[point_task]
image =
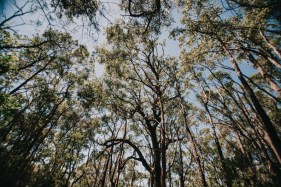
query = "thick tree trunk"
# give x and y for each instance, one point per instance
(157, 157)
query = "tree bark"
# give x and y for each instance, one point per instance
(273, 138)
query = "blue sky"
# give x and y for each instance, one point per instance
(27, 25)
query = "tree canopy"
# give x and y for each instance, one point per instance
(205, 114)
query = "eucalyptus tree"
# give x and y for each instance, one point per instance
(150, 120)
(40, 80)
(38, 104)
(238, 134)
(140, 83)
(216, 38)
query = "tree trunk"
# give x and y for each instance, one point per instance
(273, 139)
(264, 75)
(195, 149)
(227, 176)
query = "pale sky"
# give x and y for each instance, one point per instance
(79, 33)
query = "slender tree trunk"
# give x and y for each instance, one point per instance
(102, 182)
(181, 174)
(264, 75)
(274, 140)
(163, 145)
(227, 179)
(227, 176)
(31, 77)
(194, 145)
(277, 52)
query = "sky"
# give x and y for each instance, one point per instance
(30, 28)
(27, 25)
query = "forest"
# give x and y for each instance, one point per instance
(140, 93)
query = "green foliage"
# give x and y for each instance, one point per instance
(151, 119)
(78, 8)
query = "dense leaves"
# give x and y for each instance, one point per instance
(208, 117)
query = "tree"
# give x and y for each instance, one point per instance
(208, 117)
